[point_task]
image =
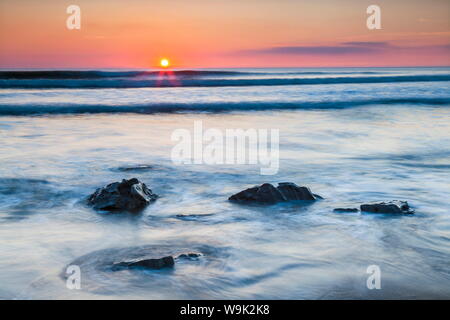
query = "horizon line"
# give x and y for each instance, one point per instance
(190, 68)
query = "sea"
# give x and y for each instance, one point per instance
(352, 135)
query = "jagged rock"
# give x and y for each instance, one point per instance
(346, 210)
(130, 195)
(265, 193)
(268, 194)
(395, 206)
(158, 263)
(291, 191)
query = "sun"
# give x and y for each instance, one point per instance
(165, 63)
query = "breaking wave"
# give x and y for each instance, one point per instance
(33, 109)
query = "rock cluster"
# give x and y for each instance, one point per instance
(133, 195)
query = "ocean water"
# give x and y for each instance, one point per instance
(352, 135)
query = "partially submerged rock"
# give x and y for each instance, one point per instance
(156, 263)
(394, 206)
(346, 210)
(129, 195)
(102, 272)
(268, 194)
(291, 191)
(190, 256)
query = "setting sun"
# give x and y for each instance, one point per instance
(164, 63)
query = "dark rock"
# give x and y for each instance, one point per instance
(346, 210)
(189, 256)
(268, 194)
(136, 168)
(130, 195)
(387, 207)
(265, 193)
(293, 192)
(159, 263)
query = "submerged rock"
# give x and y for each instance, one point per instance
(189, 256)
(157, 263)
(130, 195)
(136, 167)
(268, 194)
(346, 210)
(140, 168)
(395, 206)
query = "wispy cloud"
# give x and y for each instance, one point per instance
(344, 48)
(370, 44)
(340, 49)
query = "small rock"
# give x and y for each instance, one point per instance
(346, 210)
(268, 194)
(395, 206)
(159, 263)
(130, 195)
(189, 256)
(136, 168)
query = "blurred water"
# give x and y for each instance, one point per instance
(348, 155)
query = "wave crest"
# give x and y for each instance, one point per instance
(17, 110)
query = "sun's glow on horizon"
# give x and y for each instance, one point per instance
(164, 63)
(142, 35)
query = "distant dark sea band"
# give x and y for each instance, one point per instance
(74, 80)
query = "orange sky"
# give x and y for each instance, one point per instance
(223, 33)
